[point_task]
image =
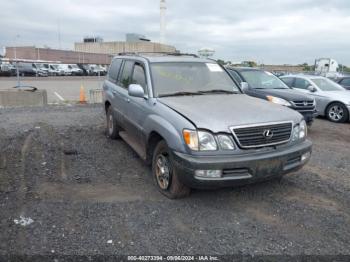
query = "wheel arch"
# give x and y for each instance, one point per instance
(333, 102)
(153, 139)
(107, 105)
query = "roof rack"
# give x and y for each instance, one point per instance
(158, 53)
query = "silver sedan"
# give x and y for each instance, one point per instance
(332, 100)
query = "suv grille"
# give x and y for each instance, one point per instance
(262, 135)
(304, 105)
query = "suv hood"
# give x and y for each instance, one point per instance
(286, 94)
(218, 112)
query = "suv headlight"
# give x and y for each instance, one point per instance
(225, 142)
(299, 131)
(302, 129)
(206, 141)
(200, 140)
(278, 101)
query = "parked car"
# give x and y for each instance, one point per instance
(29, 69)
(332, 100)
(52, 70)
(265, 85)
(97, 70)
(5, 69)
(344, 82)
(64, 69)
(86, 69)
(189, 120)
(40, 69)
(75, 70)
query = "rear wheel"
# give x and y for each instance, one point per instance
(337, 112)
(165, 175)
(112, 125)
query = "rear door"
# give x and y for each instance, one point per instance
(113, 92)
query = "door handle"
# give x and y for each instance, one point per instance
(127, 100)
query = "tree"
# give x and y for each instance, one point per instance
(221, 62)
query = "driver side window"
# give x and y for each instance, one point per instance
(139, 77)
(301, 83)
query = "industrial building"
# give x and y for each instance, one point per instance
(93, 50)
(60, 56)
(133, 43)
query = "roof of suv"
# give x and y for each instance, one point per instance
(164, 57)
(240, 69)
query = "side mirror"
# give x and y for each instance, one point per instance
(311, 88)
(136, 91)
(244, 86)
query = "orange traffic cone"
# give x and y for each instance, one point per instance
(82, 99)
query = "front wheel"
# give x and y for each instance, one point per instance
(165, 175)
(337, 112)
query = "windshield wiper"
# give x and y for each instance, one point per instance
(180, 94)
(218, 91)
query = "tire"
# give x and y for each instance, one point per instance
(337, 113)
(112, 128)
(169, 185)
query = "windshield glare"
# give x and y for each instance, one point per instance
(263, 80)
(327, 85)
(174, 77)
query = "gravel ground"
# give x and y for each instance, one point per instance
(88, 195)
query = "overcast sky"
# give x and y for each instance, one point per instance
(267, 31)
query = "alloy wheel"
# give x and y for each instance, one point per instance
(336, 113)
(163, 171)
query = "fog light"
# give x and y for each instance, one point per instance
(208, 173)
(305, 156)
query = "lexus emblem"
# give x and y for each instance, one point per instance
(268, 134)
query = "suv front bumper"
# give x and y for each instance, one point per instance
(241, 169)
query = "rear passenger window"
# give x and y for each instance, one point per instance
(139, 76)
(301, 83)
(125, 79)
(288, 81)
(114, 70)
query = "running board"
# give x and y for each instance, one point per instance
(133, 144)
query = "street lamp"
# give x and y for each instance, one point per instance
(15, 51)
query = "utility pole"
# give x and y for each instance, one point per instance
(17, 71)
(162, 21)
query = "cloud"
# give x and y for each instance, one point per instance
(286, 31)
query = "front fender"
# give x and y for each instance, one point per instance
(164, 128)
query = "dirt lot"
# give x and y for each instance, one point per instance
(89, 195)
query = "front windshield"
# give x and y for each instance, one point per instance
(176, 77)
(327, 85)
(263, 80)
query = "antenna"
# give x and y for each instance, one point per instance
(162, 21)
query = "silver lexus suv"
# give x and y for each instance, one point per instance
(187, 118)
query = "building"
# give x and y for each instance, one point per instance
(62, 56)
(136, 38)
(134, 43)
